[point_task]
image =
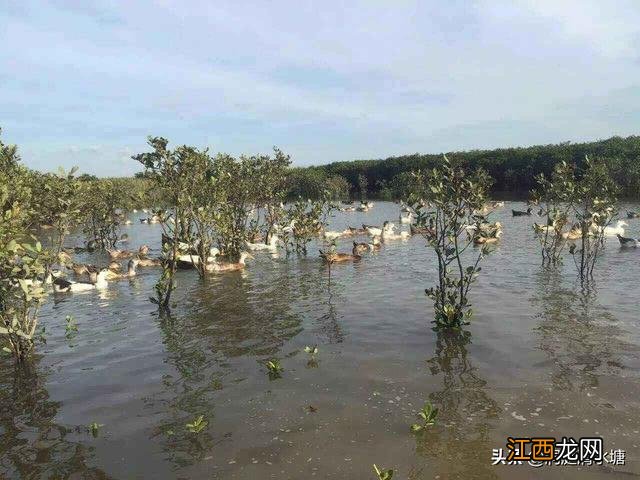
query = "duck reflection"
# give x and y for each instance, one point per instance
(32, 445)
(461, 438)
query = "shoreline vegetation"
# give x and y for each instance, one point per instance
(218, 205)
(513, 170)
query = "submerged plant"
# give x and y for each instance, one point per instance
(274, 369)
(312, 351)
(383, 474)
(197, 425)
(71, 328)
(94, 428)
(428, 414)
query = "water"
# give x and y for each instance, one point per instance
(541, 358)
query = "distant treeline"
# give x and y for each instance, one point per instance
(512, 169)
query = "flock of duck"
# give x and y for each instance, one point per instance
(88, 277)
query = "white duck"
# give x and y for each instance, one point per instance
(229, 266)
(377, 231)
(272, 246)
(62, 285)
(617, 230)
(408, 218)
(389, 234)
(194, 259)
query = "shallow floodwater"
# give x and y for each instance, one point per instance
(542, 357)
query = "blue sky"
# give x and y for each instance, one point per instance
(83, 83)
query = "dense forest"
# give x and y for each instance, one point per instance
(513, 169)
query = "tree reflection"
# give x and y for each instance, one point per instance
(461, 438)
(578, 335)
(226, 323)
(32, 445)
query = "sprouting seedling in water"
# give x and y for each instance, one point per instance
(94, 428)
(197, 425)
(274, 368)
(383, 474)
(71, 327)
(313, 351)
(428, 414)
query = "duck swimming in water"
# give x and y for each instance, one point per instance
(333, 257)
(272, 246)
(217, 267)
(377, 231)
(617, 230)
(628, 242)
(131, 271)
(360, 248)
(519, 213)
(189, 260)
(149, 262)
(121, 254)
(62, 286)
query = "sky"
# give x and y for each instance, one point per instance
(85, 82)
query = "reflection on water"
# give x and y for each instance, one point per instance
(32, 445)
(580, 337)
(540, 357)
(460, 439)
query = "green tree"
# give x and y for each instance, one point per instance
(445, 200)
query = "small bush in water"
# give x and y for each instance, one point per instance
(197, 425)
(428, 414)
(383, 474)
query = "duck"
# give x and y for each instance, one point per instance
(128, 222)
(519, 213)
(481, 239)
(611, 231)
(628, 242)
(408, 218)
(149, 262)
(353, 231)
(377, 231)
(229, 266)
(272, 246)
(145, 220)
(189, 260)
(61, 285)
(115, 266)
(332, 234)
(631, 214)
(574, 234)
(83, 268)
(131, 271)
(498, 204)
(121, 254)
(538, 228)
(360, 248)
(333, 257)
(484, 229)
(365, 206)
(389, 234)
